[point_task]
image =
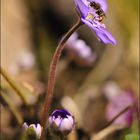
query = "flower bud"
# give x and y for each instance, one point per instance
(61, 122)
(32, 129)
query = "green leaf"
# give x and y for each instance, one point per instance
(132, 137)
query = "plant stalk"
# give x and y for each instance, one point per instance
(52, 74)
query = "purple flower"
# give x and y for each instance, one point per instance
(79, 51)
(111, 90)
(61, 121)
(92, 13)
(117, 104)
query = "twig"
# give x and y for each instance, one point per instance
(13, 85)
(105, 132)
(118, 115)
(110, 128)
(12, 107)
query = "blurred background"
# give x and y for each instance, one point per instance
(90, 75)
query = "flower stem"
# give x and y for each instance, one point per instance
(51, 79)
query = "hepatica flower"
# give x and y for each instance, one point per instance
(79, 51)
(92, 14)
(61, 121)
(119, 103)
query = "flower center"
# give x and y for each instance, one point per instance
(60, 114)
(94, 20)
(96, 12)
(90, 17)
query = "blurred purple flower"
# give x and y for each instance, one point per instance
(111, 90)
(61, 121)
(24, 61)
(91, 17)
(117, 104)
(79, 51)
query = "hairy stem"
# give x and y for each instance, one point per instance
(51, 79)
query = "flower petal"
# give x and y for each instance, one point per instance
(82, 8)
(66, 126)
(38, 130)
(105, 36)
(102, 34)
